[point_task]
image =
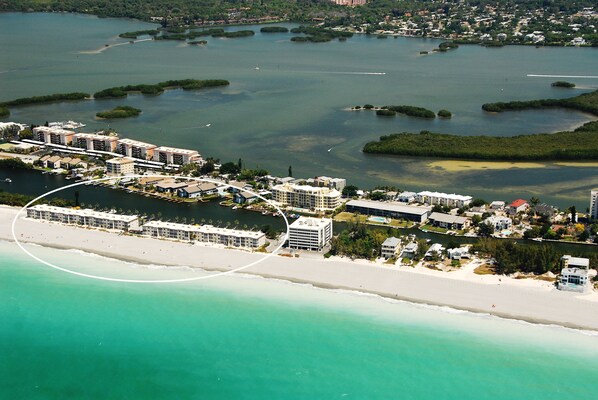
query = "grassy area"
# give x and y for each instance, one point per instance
(350, 217)
(431, 228)
(484, 269)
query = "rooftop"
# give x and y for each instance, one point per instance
(391, 242)
(136, 143)
(390, 206)
(175, 150)
(310, 222)
(84, 212)
(448, 218)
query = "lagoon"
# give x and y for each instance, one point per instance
(292, 110)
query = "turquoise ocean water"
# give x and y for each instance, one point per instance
(63, 336)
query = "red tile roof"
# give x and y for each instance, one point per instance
(517, 203)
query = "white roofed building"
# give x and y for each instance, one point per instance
(575, 274)
(120, 166)
(135, 149)
(50, 135)
(84, 217)
(443, 199)
(389, 209)
(94, 141)
(307, 233)
(171, 155)
(307, 197)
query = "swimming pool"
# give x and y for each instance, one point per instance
(380, 220)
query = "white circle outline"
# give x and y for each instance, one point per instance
(104, 278)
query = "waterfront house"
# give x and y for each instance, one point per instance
(245, 198)
(435, 251)
(389, 209)
(458, 253)
(169, 186)
(517, 206)
(499, 223)
(391, 247)
(497, 205)
(574, 275)
(449, 221)
(409, 251)
(201, 189)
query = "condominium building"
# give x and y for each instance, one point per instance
(53, 135)
(120, 166)
(594, 204)
(308, 197)
(171, 155)
(205, 234)
(389, 209)
(135, 149)
(94, 141)
(84, 217)
(443, 199)
(449, 221)
(333, 183)
(308, 233)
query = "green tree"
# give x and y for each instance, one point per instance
(290, 170)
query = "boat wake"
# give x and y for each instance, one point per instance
(563, 76)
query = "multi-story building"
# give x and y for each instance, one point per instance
(389, 209)
(171, 155)
(594, 204)
(499, 223)
(120, 166)
(308, 233)
(333, 183)
(205, 234)
(443, 199)
(307, 197)
(85, 217)
(94, 141)
(135, 149)
(53, 135)
(574, 275)
(390, 248)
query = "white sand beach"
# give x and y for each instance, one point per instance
(529, 300)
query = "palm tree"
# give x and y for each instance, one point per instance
(219, 222)
(203, 220)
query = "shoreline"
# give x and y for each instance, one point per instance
(531, 301)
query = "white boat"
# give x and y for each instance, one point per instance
(8, 180)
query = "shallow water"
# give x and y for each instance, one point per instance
(292, 110)
(237, 337)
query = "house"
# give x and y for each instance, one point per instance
(434, 251)
(245, 198)
(517, 206)
(458, 253)
(574, 275)
(390, 247)
(406, 197)
(497, 205)
(168, 186)
(52, 162)
(499, 223)
(409, 251)
(201, 189)
(449, 221)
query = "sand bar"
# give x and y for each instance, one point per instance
(531, 301)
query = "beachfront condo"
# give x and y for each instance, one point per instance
(308, 233)
(306, 197)
(85, 217)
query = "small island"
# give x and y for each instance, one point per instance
(580, 144)
(587, 102)
(418, 112)
(315, 34)
(157, 89)
(563, 84)
(119, 112)
(445, 114)
(135, 34)
(198, 42)
(274, 29)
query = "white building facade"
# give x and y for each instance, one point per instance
(135, 149)
(307, 197)
(93, 141)
(120, 166)
(307, 233)
(594, 204)
(443, 199)
(171, 155)
(85, 217)
(53, 135)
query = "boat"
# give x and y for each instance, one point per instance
(235, 207)
(8, 180)
(257, 68)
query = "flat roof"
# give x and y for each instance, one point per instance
(204, 229)
(87, 212)
(390, 206)
(452, 196)
(448, 218)
(96, 136)
(123, 160)
(176, 150)
(392, 241)
(310, 223)
(136, 143)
